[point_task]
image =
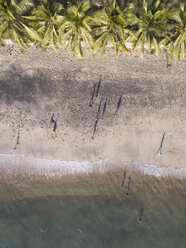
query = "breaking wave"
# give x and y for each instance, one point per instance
(26, 165)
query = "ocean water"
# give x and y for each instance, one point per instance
(46, 204)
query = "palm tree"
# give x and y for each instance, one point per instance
(112, 25)
(13, 24)
(11, 13)
(151, 19)
(176, 41)
(46, 19)
(76, 28)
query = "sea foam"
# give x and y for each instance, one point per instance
(26, 165)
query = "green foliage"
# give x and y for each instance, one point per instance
(176, 41)
(76, 28)
(111, 25)
(151, 20)
(143, 23)
(12, 22)
(46, 19)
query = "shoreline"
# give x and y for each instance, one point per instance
(34, 85)
(17, 165)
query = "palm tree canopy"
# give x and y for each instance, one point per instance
(111, 26)
(148, 23)
(46, 19)
(151, 17)
(176, 41)
(76, 28)
(12, 21)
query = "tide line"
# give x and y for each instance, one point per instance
(26, 165)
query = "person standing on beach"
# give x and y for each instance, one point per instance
(10, 49)
(128, 185)
(17, 142)
(53, 121)
(18, 138)
(99, 108)
(141, 215)
(118, 105)
(99, 84)
(92, 97)
(159, 151)
(95, 126)
(52, 118)
(104, 107)
(123, 181)
(55, 126)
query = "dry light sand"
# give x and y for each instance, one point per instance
(34, 85)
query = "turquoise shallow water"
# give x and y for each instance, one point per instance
(90, 211)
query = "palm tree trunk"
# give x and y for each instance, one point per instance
(142, 48)
(167, 57)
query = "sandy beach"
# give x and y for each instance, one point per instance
(35, 85)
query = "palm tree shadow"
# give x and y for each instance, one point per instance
(18, 85)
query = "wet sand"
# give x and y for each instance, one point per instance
(68, 211)
(35, 85)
